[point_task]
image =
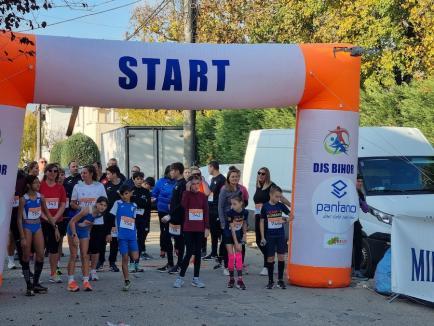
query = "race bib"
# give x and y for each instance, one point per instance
(258, 208)
(52, 203)
(195, 214)
(238, 225)
(140, 211)
(87, 201)
(16, 201)
(174, 229)
(114, 232)
(34, 213)
(211, 197)
(127, 223)
(275, 222)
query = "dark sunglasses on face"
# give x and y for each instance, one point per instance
(55, 171)
(261, 173)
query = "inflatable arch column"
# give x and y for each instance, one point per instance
(323, 83)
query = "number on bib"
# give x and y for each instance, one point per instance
(195, 215)
(87, 201)
(34, 213)
(174, 229)
(127, 223)
(275, 222)
(52, 203)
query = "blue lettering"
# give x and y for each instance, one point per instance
(172, 76)
(4, 169)
(315, 167)
(221, 73)
(130, 81)
(427, 265)
(198, 70)
(417, 268)
(152, 72)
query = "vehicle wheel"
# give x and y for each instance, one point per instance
(367, 266)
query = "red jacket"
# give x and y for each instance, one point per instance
(196, 217)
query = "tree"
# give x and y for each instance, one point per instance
(134, 117)
(81, 148)
(56, 152)
(28, 140)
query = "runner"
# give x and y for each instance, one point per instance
(112, 187)
(162, 194)
(273, 234)
(63, 225)
(234, 235)
(55, 199)
(32, 206)
(85, 194)
(174, 220)
(195, 227)
(33, 169)
(78, 236)
(217, 182)
(142, 198)
(125, 214)
(130, 181)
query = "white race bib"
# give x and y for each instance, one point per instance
(275, 223)
(140, 211)
(34, 213)
(195, 214)
(52, 203)
(87, 201)
(174, 229)
(258, 208)
(127, 223)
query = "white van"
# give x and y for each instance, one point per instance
(397, 165)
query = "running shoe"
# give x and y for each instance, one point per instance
(100, 266)
(11, 265)
(179, 282)
(165, 268)
(231, 283)
(114, 268)
(131, 268)
(217, 266)
(86, 286)
(226, 272)
(209, 257)
(127, 285)
(162, 254)
(145, 256)
(38, 288)
(30, 293)
(240, 284)
(359, 276)
(264, 272)
(55, 279)
(137, 268)
(196, 282)
(203, 253)
(93, 277)
(73, 286)
(281, 284)
(175, 270)
(270, 285)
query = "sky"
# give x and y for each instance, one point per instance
(111, 25)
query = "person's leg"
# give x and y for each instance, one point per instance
(280, 266)
(38, 240)
(271, 252)
(189, 252)
(197, 249)
(25, 259)
(357, 245)
(162, 232)
(53, 249)
(147, 229)
(258, 240)
(180, 246)
(140, 226)
(72, 258)
(84, 247)
(125, 267)
(16, 236)
(114, 247)
(231, 257)
(214, 231)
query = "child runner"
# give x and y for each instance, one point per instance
(273, 234)
(234, 235)
(32, 205)
(196, 226)
(125, 215)
(78, 231)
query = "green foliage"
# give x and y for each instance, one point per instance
(28, 140)
(81, 148)
(134, 117)
(56, 152)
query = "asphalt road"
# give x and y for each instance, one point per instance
(153, 301)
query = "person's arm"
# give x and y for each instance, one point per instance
(74, 198)
(62, 205)
(47, 213)
(148, 204)
(20, 221)
(77, 218)
(234, 233)
(261, 226)
(157, 189)
(205, 212)
(206, 189)
(221, 202)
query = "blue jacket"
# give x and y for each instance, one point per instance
(163, 193)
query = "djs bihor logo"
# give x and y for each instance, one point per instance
(337, 141)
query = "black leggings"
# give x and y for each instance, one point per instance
(258, 239)
(142, 225)
(163, 227)
(193, 242)
(16, 233)
(179, 245)
(51, 244)
(215, 229)
(357, 245)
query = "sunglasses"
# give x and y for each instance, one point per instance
(43, 162)
(55, 171)
(261, 173)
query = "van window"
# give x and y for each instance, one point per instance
(397, 175)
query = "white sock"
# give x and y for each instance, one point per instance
(70, 278)
(11, 259)
(85, 278)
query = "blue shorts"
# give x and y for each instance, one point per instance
(276, 244)
(127, 245)
(82, 233)
(32, 227)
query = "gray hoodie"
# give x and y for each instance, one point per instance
(224, 204)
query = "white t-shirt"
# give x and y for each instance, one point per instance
(86, 195)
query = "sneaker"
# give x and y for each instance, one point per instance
(203, 253)
(100, 266)
(359, 275)
(209, 257)
(240, 284)
(114, 268)
(38, 288)
(175, 270)
(55, 279)
(137, 268)
(131, 268)
(145, 256)
(11, 265)
(162, 254)
(281, 285)
(231, 283)
(58, 271)
(86, 286)
(30, 293)
(179, 282)
(196, 282)
(165, 268)
(93, 277)
(226, 272)
(270, 285)
(264, 272)
(217, 266)
(127, 285)
(73, 286)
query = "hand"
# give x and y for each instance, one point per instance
(76, 240)
(238, 247)
(165, 219)
(108, 238)
(263, 243)
(188, 186)
(57, 234)
(206, 233)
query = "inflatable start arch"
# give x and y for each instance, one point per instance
(323, 83)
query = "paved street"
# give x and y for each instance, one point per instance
(153, 301)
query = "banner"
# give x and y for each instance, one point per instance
(413, 256)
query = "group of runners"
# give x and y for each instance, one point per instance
(92, 208)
